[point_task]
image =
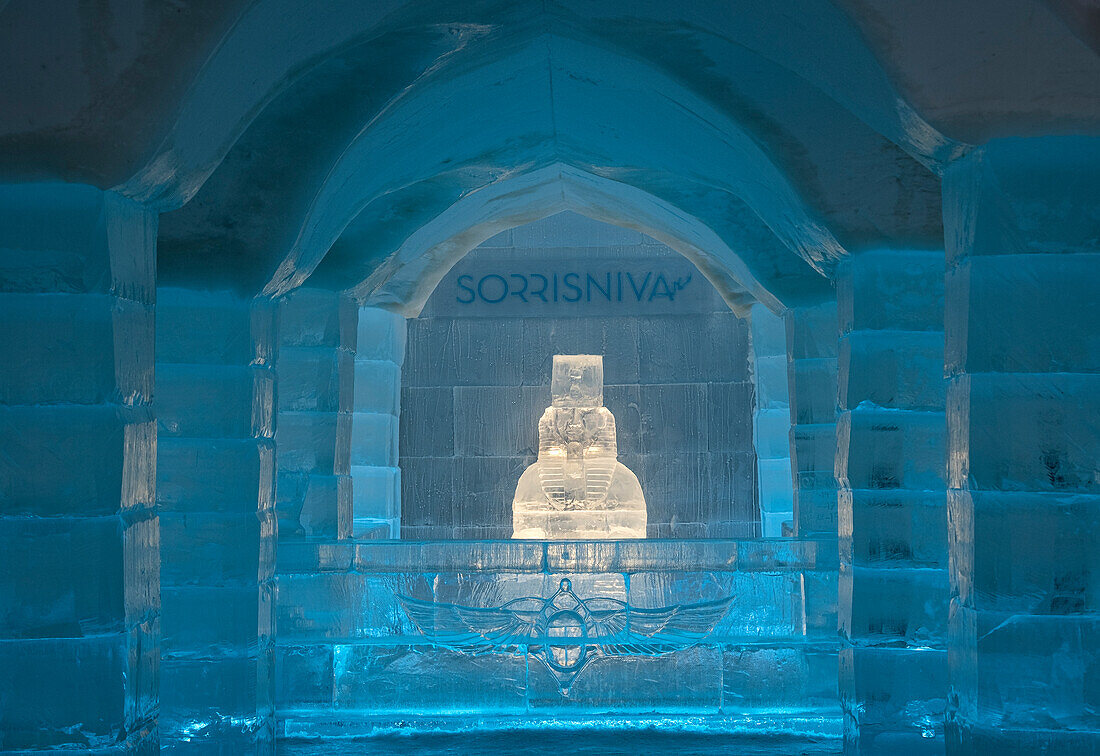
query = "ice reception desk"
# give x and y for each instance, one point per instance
(354, 657)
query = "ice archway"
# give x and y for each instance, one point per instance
(260, 55)
(401, 151)
(545, 92)
(404, 281)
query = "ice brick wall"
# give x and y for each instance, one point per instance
(772, 422)
(890, 469)
(477, 373)
(79, 533)
(812, 387)
(316, 370)
(216, 493)
(1022, 327)
(375, 476)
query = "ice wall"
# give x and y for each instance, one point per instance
(79, 534)
(339, 399)
(316, 373)
(477, 372)
(1023, 416)
(812, 387)
(215, 384)
(771, 422)
(375, 476)
(890, 469)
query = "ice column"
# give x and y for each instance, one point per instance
(772, 421)
(811, 376)
(812, 387)
(317, 331)
(375, 477)
(79, 535)
(890, 467)
(1023, 419)
(216, 492)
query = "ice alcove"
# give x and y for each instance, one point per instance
(678, 386)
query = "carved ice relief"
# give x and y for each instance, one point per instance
(577, 489)
(566, 632)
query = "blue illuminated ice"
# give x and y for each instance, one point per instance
(577, 489)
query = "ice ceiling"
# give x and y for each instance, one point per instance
(316, 149)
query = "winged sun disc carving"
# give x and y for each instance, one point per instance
(566, 632)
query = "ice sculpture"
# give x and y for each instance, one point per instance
(566, 632)
(577, 489)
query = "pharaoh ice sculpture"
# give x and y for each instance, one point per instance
(577, 489)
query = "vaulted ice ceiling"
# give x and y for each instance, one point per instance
(366, 145)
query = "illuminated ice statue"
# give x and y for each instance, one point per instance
(578, 489)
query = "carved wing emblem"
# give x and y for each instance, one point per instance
(511, 625)
(564, 631)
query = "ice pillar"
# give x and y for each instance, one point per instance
(1023, 418)
(216, 491)
(375, 477)
(890, 468)
(317, 331)
(79, 534)
(772, 421)
(811, 374)
(812, 382)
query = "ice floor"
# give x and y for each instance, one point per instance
(605, 743)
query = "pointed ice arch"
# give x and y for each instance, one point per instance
(565, 102)
(261, 57)
(755, 272)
